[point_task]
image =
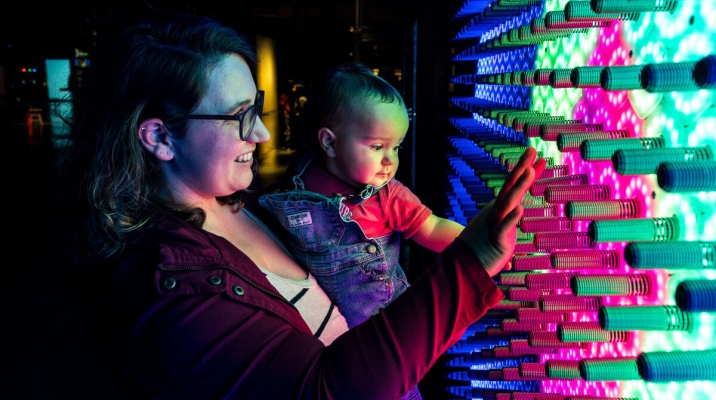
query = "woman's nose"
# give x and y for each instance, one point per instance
(260, 134)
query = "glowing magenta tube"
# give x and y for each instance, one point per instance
(531, 262)
(551, 280)
(511, 325)
(536, 316)
(539, 210)
(549, 339)
(560, 194)
(521, 346)
(512, 278)
(671, 255)
(545, 224)
(553, 171)
(532, 370)
(585, 259)
(634, 230)
(609, 369)
(611, 285)
(603, 209)
(539, 186)
(548, 241)
(518, 293)
(567, 303)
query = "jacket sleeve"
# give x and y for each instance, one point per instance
(206, 342)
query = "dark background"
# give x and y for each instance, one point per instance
(46, 349)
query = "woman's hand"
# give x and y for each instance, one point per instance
(492, 233)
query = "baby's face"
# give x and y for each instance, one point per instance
(367, 150)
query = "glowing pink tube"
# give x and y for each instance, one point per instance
(536, 316)
(545, 224)
(538, 188)
(560, 194)
(548, 241)
(531, 262)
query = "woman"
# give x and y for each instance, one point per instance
(186, 297)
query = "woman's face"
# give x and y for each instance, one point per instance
(212, 160)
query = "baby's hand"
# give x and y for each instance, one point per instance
(492, 233)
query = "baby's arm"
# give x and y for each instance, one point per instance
(437, 233)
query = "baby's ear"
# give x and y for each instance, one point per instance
(154, 136)
(327, 139)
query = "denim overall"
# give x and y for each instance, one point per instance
(359, 274)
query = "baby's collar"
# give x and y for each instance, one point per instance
(365, 194)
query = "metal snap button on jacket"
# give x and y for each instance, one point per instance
(371, 248)
(215, 280)
(169, 283)
(238, 290)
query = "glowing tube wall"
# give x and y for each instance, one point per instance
(619, 96)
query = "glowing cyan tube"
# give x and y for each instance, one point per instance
(669, 77)
(570, 141)
(696, 295)
(585, 259)
(604, 209)
(559, 194)
(621, 77)
(590, 332)
(603, 150)
(687, 176)
(611, 285)
(671, 255)
(621, 6)
(634, 230)
(644, 318)
(646, 161)
(677, 366)
(587, 77)
(609, 369)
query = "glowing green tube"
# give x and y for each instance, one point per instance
(677, 366)
(634, 230)
(647, 161)
(644, 318)
(671, 255)
(611, 285)
(604, 209)
(609, 369)
(604, 150)
(589, 332)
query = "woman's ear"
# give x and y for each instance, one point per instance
(327, 139)
(154, 136)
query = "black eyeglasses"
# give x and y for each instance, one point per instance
(246, 118)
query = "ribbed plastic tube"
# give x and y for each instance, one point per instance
(585, 332)
(512, 278)
(696, 295)
(560, 78)
(531, 262)
(586, 77)
(549, 132)
(611, 285)
(581, 11)
(548, 241)
(687, 176)
(669, 77)
(558, 20)
(539, 210)
(545, 224)
(622, 6)
(549, 339)
(600, 398)
(609, 369)
(560, 194)
(621, 77)
(552, 280)
(535, 316)
(518, 293)
(542, 77)
(671, 255)
(554, 171)
(705, 72)
(568, 303)
(603, 209)
(570, 141)
(635, 230)
(562, 369)
(644, 318)
(512, 325)
(528, 78)
(585, 259)
(647, 161)
(532, 370)
(677, 366)
(539, 186)
(603, 150)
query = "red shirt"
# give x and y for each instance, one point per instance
(393, 208)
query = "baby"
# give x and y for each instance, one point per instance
(343, 207)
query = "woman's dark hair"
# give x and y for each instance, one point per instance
(152, 66)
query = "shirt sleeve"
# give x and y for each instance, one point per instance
(212, 344)
(405, 212)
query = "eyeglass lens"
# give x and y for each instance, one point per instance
(250, 117)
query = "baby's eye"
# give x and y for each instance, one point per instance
(377, 147)
(397, 148)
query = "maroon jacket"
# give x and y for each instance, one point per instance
(184, 314)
